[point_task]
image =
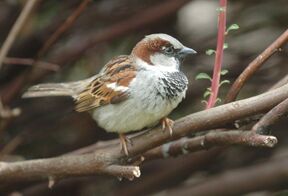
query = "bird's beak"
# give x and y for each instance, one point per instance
(185, 51)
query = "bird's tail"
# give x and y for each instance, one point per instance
(57, 89)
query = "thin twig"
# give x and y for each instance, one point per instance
(16, 29)
(97, 162)
(63, 28)
(27, 61)
(219, 54)
(254, 66)
(271, 117)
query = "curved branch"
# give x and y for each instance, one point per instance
(99, 161)
(255, 65)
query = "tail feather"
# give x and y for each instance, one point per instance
(57, 89)
(49, 89)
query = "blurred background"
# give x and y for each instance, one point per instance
(49, 127)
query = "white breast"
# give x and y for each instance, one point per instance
(144, 108)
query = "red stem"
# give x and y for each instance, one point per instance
(219, 54)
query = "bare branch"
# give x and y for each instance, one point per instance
(212, 139)
(271, 117)
(67, 166)
(255, 65)
(16, 29)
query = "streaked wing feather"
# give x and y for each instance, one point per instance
(119, 72)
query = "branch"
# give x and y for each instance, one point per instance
(68, 166)
(212, 139)
(99, 161)
(219, 54)
(254, 66)
(16, 29)
(271, 117)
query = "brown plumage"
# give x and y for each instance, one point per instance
(119, 71)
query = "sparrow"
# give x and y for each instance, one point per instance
(131, 92)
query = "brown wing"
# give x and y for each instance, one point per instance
(110, 87)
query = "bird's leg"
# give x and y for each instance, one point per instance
(123, 142)
(167, 125)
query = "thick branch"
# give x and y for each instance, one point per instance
(60, 167)
(254, 66)
(97, 162)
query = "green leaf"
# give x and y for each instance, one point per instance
(224, 72)
(210, 52)
(225, 46)
(218, 100)
(203, 76)
(224, 82)
(206, 94)
(232, 27)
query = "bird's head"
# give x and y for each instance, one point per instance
(161, 50)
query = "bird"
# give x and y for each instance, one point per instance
(131, 92)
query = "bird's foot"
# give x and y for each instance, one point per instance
(167, 125)
(123, 142)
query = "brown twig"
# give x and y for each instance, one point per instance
(63, 28)
(271, 117)
(97, 162)
(254, 66)
(27, 61)
(16, 29)
(240, 181)
(212, 139)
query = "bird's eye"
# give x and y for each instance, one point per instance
(168, 50)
